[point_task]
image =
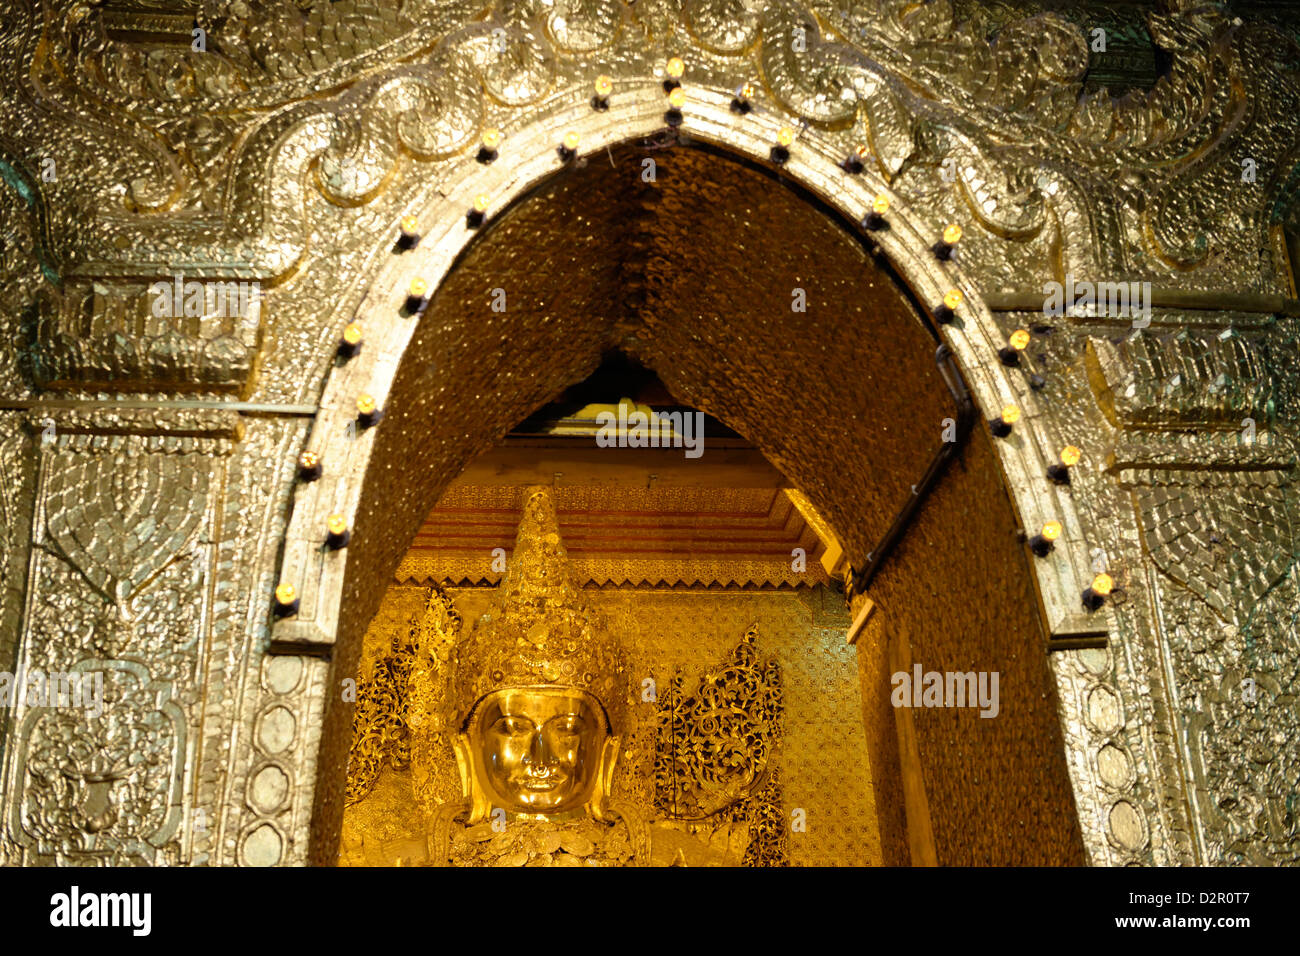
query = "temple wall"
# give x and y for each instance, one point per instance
(150, 507)
(995, 790)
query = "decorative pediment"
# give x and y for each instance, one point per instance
(218, 153)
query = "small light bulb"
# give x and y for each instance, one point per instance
(952, 234)
(785, 137)
(880, 205)
(676, 67)
(677, 98)
(747, 91)
(1059, 472)
(1020, 340)
(1041, 543)
(337, 524)
(1103, 584)
(352, 333)
(571, 141)
(604, 85)
(418, 288)
(953, 298)
(309, 467)
(481, 202)
(409, 236)
(285, 593)
(491, 138)
(365, 404)
(1010, 414)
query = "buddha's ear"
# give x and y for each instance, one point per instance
(605, 776)
(479, 806)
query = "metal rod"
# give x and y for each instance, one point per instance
(938, 464)
(1075, 643)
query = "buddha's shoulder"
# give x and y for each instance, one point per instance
(675, 843)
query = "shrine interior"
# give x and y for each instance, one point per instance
(684, 555)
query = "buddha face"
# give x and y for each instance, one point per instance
(538, 749)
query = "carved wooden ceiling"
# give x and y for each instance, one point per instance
(620, 535)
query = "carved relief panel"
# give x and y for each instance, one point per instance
(120, 569)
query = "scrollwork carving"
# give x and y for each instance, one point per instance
(103, 788)
(379, 731)
(1162, 158)
(715, 748)
(400, 703)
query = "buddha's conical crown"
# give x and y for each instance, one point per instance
(538, 631)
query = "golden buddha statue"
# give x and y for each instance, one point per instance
(533, 702)
(537, 706)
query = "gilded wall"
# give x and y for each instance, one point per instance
(955, 597)
(148, 459)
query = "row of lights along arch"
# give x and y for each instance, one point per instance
(337, 533)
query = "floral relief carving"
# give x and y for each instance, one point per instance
(236, 160)
(120, 522)
(103, 789)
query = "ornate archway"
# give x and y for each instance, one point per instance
(975, 338)
(856, 390)
(285, 155)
